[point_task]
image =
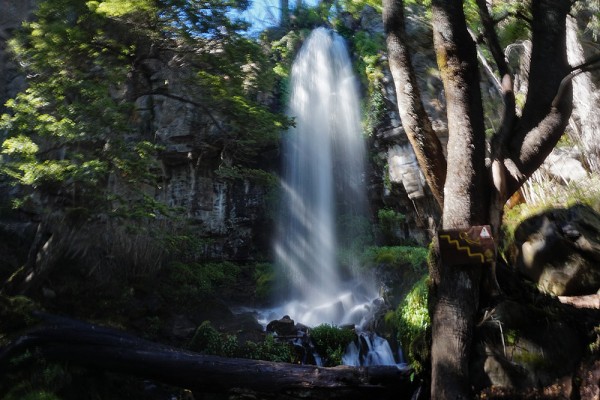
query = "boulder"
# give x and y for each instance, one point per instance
(283, 327)
(521, 346)
(559, 250)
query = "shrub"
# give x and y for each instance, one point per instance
(397, 257)
(269, 350)
(330, 342)
(210, 341)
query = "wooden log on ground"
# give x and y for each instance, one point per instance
(65, 340)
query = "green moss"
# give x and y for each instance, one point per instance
(392, 257)
(531, 360)
(411, 321)
(183, 282)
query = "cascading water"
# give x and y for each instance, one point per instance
(323, 184)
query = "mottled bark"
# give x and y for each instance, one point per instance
(415, 120)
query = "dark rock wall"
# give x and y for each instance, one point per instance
(12, 14)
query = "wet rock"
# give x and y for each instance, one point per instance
(282, 327)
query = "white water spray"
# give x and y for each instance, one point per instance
(323, 183)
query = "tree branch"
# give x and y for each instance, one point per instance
(548, 107)
(588, 65)
(491, 38)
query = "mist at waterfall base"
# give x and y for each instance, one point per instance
(324, 199)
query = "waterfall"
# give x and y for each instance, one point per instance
(370, 349)
(323, 184)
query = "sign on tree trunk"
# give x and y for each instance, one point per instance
(474, 245)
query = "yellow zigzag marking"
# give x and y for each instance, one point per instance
(459, 247)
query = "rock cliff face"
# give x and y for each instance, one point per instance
(231, 212)
(233, 215)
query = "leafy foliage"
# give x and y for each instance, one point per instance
(184, 283)
(390, 222)
(331, 342)
(397, 257)
(71, 135)
(265, 275)
(210, 341)
(354, 7)
(411, 320)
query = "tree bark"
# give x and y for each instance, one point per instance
(415, 121)
(455, 288)
(473, 193)
(66, 340)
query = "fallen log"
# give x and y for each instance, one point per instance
(66, 340)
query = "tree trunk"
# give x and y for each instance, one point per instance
(66, 340)
(415, 121)
(455, 288)
(474, 194)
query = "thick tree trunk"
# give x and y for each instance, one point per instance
(65, 340)
(547, 109)
(455, 288)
